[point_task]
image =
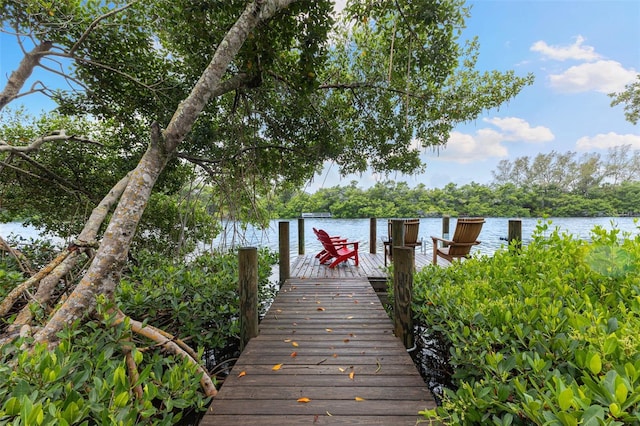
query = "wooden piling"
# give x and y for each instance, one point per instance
(248, 282)
(397, 235)
(300, 236)
(403, 268)
(445, 226)
(283, 246)
(373, 231)
(515, 233)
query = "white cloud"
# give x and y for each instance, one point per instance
(488, 143)
(606, 141)
(339, 5)
(601, 76)
(464, 148)
(517, 129)
(575, 51)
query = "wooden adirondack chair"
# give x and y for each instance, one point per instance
(338, 251)
(411, 228)
(464, 237)
(322, 253)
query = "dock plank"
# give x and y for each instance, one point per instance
(333, 343)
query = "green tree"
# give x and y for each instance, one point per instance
(630, 97)
(253, 93)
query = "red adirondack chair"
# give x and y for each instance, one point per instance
(323, 253)
(338, 251)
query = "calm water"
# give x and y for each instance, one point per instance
(358, 229)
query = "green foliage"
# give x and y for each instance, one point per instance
(543, 335)
(630, 98)
(84, 381)
(196, 301)
(391, 199)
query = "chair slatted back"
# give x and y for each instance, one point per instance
(411, 228)
(465, 235)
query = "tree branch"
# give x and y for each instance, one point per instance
(60, 135)
(25, 69)
(95, 23)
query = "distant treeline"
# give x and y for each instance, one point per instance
(553, 184)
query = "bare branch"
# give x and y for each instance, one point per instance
(37, 143)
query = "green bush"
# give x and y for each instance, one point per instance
(196, 301)
(84, 381)
(545, 336)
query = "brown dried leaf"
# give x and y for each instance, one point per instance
(276, 367)
(242, 374)
(304, 399)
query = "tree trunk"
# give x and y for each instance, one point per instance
(104, 272)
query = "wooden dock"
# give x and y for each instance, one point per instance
(326, 354)
(371, 266)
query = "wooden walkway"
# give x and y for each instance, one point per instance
(326, 354)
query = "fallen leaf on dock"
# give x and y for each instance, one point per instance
(328, 330)
(295, 344)
(242, 374)
(276, 367)
(360, 399)
(321, 308)
(351, 375)
(342, 370)
(304, 399)
(287, 340)
(294, 354)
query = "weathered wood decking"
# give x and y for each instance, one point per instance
(333, 344)
(371, 266)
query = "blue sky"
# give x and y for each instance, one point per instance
(579, 51)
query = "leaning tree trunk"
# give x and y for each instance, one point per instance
(104, 272)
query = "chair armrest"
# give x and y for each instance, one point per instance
(444, 240)
(347, 243)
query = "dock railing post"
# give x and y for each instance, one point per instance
(373, 231)
(515, 234)
(300, 236)
(283, 246)
(248, 282)
(445, 226)
(403, 268)
(397, 236)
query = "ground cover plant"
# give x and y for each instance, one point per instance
(88, 378)
(546, 334)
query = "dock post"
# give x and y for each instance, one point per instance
(403, 267)
(445, 226)
(515, 233)
(283, 245)
(248, 282)
(373, 231)
(397, 235)
(300, 235)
